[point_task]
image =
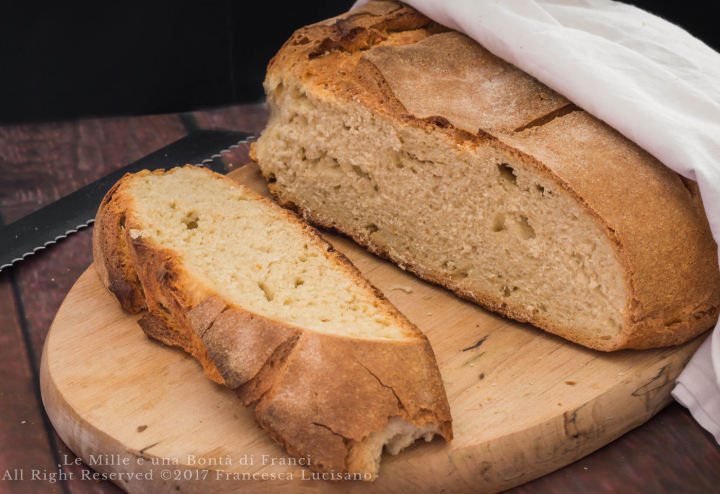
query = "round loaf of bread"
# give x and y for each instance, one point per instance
(423, 146)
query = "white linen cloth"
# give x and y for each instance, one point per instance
(646, 77)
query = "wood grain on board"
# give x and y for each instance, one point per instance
(524, 402)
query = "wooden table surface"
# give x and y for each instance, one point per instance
(40, 163)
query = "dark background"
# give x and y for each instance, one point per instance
(61, 61)
(65, 60)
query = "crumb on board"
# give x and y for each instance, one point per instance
(559, 404)
(405, 289)
(429, 313)
(571, 382)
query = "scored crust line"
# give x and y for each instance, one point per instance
(91, 221)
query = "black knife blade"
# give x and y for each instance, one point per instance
(77, 210)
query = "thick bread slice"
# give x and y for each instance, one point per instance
(334, 371)
(423, 146)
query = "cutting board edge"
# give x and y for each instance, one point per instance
(84, 438)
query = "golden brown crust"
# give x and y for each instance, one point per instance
(202, 316)
(312, 403)
(111, 257)
(166, 292)
(241, 342)
(158, 328)
(445, 83)
(473, 84)
(304, 383)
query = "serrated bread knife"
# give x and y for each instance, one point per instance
(77, 210)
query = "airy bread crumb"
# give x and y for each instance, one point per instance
(254, 258)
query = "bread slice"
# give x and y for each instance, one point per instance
(267, 306)
(423, 146)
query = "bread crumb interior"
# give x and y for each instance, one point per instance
(472, 215)
(249, 253)
(364, 456)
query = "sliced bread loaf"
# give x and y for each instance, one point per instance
(267, 306)
(423, 146)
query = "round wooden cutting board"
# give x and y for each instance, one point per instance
(524, 403)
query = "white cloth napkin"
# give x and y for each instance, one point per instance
(646, 77)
